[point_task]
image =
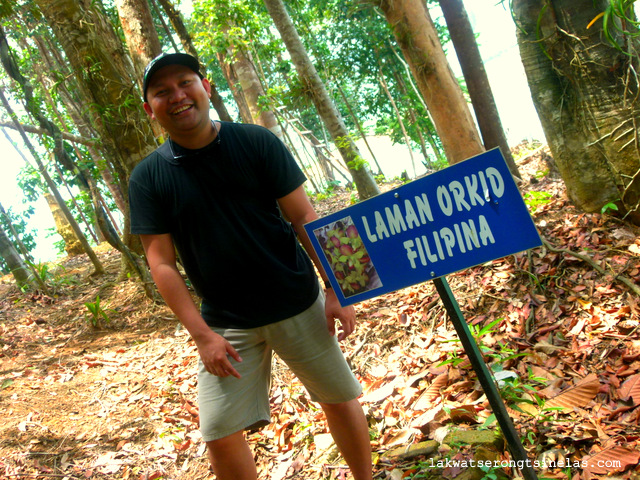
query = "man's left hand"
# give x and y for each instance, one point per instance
(334, 311)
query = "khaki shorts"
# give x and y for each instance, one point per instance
(228, 405)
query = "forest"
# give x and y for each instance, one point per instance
(97, 376)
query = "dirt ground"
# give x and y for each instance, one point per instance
(114, 395)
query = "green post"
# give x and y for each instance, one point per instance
(485, 378)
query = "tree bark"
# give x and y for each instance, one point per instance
(139, 33)
(105, 77)
(415, 33)
(586, 94)
(142, 41)
(236, 90)
(12, 70)
(316, 90)
(14, 262)
(101, 157)
(181, 30)
(34, 277)
(475, 75)
(72, 245)
(253, 91)
(243, 73)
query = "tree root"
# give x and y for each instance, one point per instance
(585, 258)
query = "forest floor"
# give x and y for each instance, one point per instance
(86, 395)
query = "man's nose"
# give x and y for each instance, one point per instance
(177, 95)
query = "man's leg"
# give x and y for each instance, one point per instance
(231, 458)
(350, 431)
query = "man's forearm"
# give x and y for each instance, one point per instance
(173, 289)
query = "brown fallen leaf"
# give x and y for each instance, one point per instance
(432, 393)
(578, 395)
(631, 389)
(613, 459)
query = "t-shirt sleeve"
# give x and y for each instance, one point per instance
(148, 216)
(280, 169)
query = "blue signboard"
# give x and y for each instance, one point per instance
(464, 215)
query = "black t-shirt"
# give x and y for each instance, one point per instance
(219, 205)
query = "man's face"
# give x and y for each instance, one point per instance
(179, 100)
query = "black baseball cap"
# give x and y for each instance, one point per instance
(165, 59)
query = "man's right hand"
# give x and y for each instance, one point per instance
(214, 352)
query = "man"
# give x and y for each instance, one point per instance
(220, 193)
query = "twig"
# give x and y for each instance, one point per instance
(621, 278)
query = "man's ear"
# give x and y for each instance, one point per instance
(207, 86)
(147, 108)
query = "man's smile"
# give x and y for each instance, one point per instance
(181, 109)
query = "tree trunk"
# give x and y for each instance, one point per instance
(14, 262)
(104, 74)
(415, 33)
(72, 245)
(35, 277)
(12, 69)
(242, 74)
(407, 140)
(181, 30)
(236, 89)
(586, 95)
(475, 75)
(315, 89)
(253, 90)
(356, 120)
(139, 33)
(52, 62)
(142, 40)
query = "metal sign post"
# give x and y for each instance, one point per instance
(485, 378)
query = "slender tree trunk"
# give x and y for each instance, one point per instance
(236, 90)
(315, 89)
(14, 262)
(415, 33)
(248, 89)
(323, 160)
(475, 75)
(99, 269)
(139, 33)
(355, 119)
(181, 30)
(12, 69)
(142, 40)
(25, 253)
(100, 156)
(402, 87)
(407, 140)
(253, 91)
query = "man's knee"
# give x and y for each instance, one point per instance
(231, 458)
(228, 443)
(348, 406)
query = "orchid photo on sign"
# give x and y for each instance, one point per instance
(347, 255)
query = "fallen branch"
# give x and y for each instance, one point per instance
(585, 258)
